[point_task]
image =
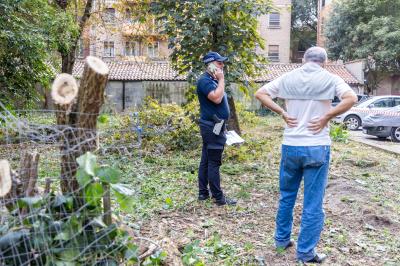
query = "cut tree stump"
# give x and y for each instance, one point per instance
(5, 178)
(28, 173)
(15, 185)
(78, 118)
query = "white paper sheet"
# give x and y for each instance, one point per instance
(233, 138)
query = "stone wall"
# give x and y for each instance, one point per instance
(122, 95)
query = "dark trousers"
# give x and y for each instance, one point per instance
(209, 172)
(211, 160)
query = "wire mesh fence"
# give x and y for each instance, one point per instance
(46, 222)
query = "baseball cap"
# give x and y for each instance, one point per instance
(213, 56)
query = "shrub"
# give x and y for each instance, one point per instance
(55, 229)
(339, 133)
(170, 125)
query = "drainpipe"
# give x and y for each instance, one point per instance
(123, 95)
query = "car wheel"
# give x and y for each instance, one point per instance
(395, 134)
(352, 122)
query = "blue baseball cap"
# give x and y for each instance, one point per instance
(213, 56)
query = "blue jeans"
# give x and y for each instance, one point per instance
(312, 163)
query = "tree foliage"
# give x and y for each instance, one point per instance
(304, 14)
(366, 29)
(304, 24)
(29, 31)
(196, 27)
(228, 27)
(81, 11)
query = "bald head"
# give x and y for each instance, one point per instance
(315, 54)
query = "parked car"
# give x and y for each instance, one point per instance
(353, 118)
(361, 98)
(384, 124)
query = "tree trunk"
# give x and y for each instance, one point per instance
(79, 120)
(68, 59)
(29, 173)
(233, 122)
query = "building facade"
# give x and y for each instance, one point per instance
(324, 8)
(274, 28)
(114, 36)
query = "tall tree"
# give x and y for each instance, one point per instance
(82, 11)
(304, 24)
(366, 30)
(30, 32)
(196, 27)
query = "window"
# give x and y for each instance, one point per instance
(109, 15)
(152, 50)
(79, 49)
(383, 103)
(132, 48)
(273, 53)
(396, 101)
(108, 49)
(128, 15)
(274, 20)
(323, 3)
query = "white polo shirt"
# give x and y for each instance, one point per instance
(304, 111)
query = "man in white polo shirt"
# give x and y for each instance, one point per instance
(308, 92)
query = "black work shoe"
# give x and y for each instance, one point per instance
(203, 197)
(318, 258)
(226, 201)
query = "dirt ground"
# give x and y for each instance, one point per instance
(362, 206)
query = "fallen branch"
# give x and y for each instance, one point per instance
(152, 248)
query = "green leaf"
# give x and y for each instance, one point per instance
(104, 118)
(69, 254)
(94, 193)
(108, 175)
(83, 178)
(63, 236)
(88, 163)
(126, 203)
(60, 200)
(63, 263)
(12, 238)
(71, 228)
(123, 189)
(168, 203)
(98, 222)
(29, 202)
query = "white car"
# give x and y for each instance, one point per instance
(353, 118)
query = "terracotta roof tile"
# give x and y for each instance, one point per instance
(122, 70)
(274, 71)
(159, 71)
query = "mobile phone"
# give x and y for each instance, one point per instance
(212, 68)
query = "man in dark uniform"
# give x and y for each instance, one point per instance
(213, 108)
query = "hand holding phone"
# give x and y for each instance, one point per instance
(215, 71)
(212, 68)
